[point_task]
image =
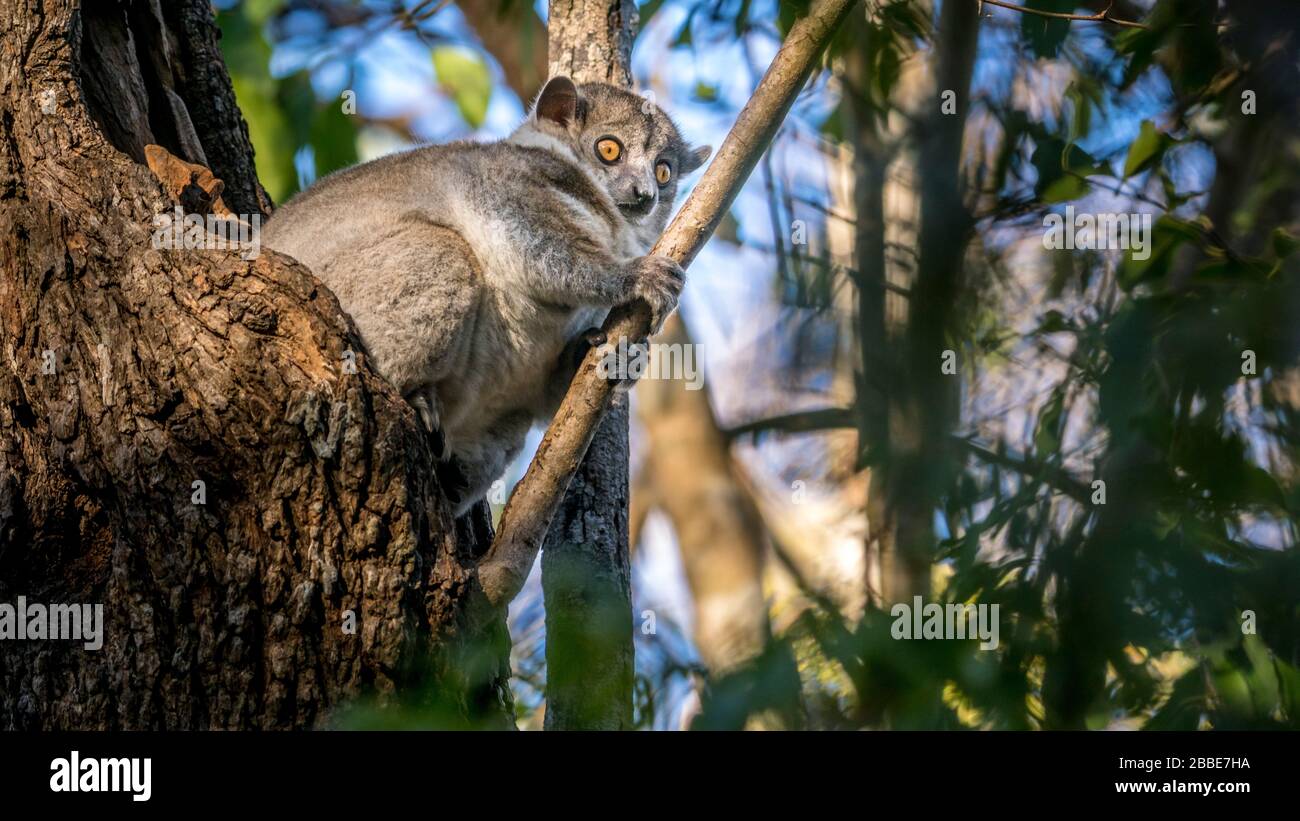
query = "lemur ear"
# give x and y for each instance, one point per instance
(695, 158)
(558, 102)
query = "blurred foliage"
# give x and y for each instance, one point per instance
(282, 113)
(1176, 604)
(464, 74)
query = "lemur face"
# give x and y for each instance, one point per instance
(627, 141)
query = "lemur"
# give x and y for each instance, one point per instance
(476, 272)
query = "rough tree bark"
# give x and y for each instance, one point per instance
(586, 572)
(172, 367)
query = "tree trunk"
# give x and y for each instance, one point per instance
(909, 404)
(923, 462)
(719, 533)
(586, 573)
(133, 373)
(871, 160)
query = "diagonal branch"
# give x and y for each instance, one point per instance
(806, 421)
(1102, 16)
(1053, 475)
(528, 513)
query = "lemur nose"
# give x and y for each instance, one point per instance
(643, 195)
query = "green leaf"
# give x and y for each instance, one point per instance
(1046, 35)
(1081, 111)
(1289, 684)
(1146, 150)
(788, 12)
(1187, 701)
(1065, 188)
(1047, 436)
(648, 10)
(1052, 158)
(741, 20)
(1167, 235)
(888, 68)
(259, 11)
(1283, 242)
(704, 92)
(464, 75)
(1165, 522)
(683, 37)
(334, 139)
(1260, 487)
(1053, 322)
(833, 126)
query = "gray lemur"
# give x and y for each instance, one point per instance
(475, 271)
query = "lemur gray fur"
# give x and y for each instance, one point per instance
(474, 271)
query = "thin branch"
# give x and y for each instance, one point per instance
(1102, 16)
(533, 503)
(836, 268)
(826, 419)
(1052, 475)
(400, 19)
(858, 278)
(825, 209)
(809, 421)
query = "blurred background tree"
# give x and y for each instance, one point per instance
(1112, 461)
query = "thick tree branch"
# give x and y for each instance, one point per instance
(528, 513)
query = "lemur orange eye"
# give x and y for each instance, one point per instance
(609, 149)
(663, 173)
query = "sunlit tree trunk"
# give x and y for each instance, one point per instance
(719, 532)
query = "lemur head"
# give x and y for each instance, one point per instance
(627, 141)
